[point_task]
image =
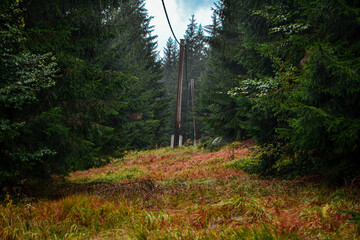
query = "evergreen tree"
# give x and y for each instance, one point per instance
(86, 94)
(297, 81)
(196, 49)
(196, 57)
(170, 78)
(106, 96)
(214, 27)
(133, 50)
(24, 77)
(217, 108)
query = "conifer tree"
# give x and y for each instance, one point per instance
(196, 57)
(217, 108)
(170, 66)
(292, 93)
(133, 50)
(24, 126)
(106, 96)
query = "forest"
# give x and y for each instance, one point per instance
(82, 85)
(81, 82)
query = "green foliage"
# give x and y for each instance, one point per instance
(355, 218)
(23, 77)
(113, 175)
(246, 163)
(170, 78)
(79, 83)
(292, 83)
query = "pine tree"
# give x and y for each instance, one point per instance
(293, 81)
(213, 28)
(217, 108)
(133, 50)
(170, 65)
(86, 94)
(24, 76)
(170, 78)
(196, 57)
(107, 96)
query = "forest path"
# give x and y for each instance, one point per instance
(185, 193)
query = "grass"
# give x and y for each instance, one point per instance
(113, 175)
(198, 195)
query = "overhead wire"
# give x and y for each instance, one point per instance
(167, 17)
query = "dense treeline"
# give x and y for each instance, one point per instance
(79, 81)
(286, 73)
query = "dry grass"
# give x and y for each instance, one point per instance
(182, 194)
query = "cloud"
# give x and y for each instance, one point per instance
(179, 12)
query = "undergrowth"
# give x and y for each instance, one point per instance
(185, 193)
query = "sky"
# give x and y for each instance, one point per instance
(179, 12)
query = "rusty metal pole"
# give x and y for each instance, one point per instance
(179, 94)
(192, 84)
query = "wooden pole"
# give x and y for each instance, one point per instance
(179, 94)
(192, 84)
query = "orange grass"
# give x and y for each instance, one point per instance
(202, 198)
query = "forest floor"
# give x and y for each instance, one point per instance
(186, 193)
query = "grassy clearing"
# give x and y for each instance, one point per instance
(196, 195)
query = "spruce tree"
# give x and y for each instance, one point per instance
(25, 124)
(133, 50)
(295, 79)
(105, 98)
(170, 78)
(196, 57)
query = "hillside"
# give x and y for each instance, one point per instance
(187, 193)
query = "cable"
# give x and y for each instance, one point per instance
(167, 17)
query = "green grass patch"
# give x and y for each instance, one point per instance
(247, 164)
(113, 175)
